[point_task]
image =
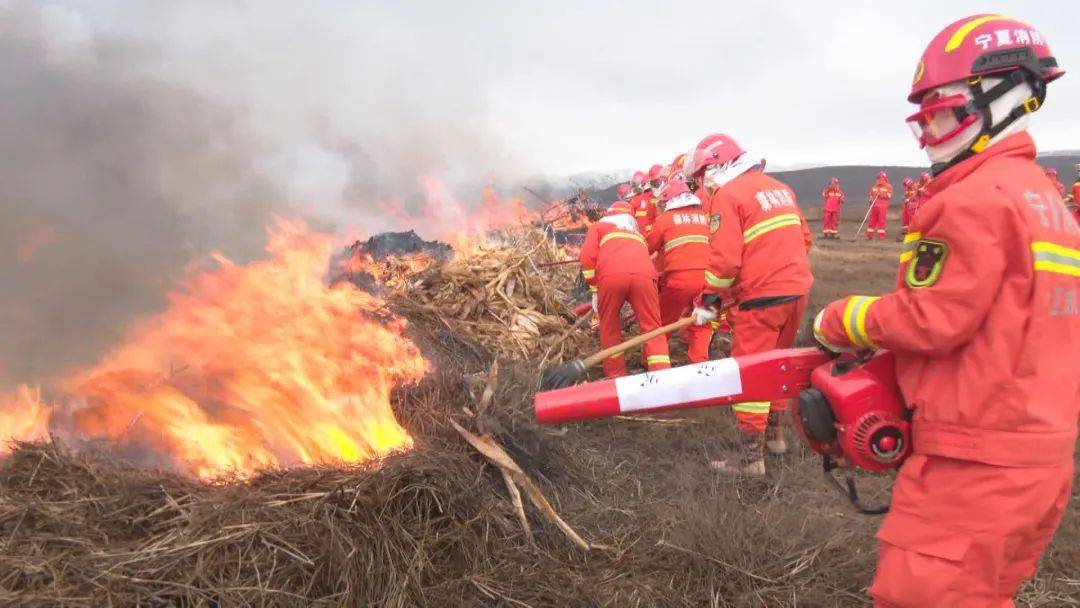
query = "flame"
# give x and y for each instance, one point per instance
(393, 272)
(251, 367)
(23, 417)
(469, 228)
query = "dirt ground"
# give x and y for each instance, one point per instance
(435, 526)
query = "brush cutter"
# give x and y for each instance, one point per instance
(847, 408)
(570, 373)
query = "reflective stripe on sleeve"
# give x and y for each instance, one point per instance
(911, 242)
(622, 235)
(766, 226)
(588, 274)
(855, 320)
(716, 282)
(684, 240)
(1051, 257)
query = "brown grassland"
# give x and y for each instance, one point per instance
(435, 526)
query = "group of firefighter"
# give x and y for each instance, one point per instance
(984, 319)
(916, 193)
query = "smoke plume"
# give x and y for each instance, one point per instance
(136, 138)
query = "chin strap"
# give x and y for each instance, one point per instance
(981, 103)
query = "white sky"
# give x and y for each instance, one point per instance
(559, 88)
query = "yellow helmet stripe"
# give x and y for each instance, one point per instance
(958, 37)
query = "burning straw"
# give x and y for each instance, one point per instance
(501, 298)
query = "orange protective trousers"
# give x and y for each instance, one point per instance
(640, 291)
(756, 331)
(830, 221)
(878, 214)
(963, 533)
(677, 292)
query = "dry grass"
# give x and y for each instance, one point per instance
(502, 298)
(437, 527)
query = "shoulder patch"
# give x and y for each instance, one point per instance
(928, 259)
(714, 223)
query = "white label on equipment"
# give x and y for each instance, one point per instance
(687, 384)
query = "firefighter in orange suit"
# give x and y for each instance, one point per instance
(985, 322)
(644, 203)
(616, 266)
(1073, 200)
(681, 233)
(833, 202)
(880, 194)
(758, 266)
(911, 204)
(1052, 175)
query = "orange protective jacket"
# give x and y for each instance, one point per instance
(834, 198)
(883, 192)
(644, 207)
(759, 247)
(985, 318)
(1076, 192)
(682, 236)
(609, 250)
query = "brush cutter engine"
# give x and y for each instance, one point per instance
(853, 415)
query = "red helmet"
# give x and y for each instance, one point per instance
(715, 149)
(834, 180)
(882, 175)
(638, 180)
(654, 172)
(979, 45)
(908, 182)
(965, 52)
(1051, 171)
(672, 189)
(679, 162)
(624, 190)
(619, 207)
(924, 176)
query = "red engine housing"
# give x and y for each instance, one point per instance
(853, 412)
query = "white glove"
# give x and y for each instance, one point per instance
(820, 337)
(703, 315)
(595, 303)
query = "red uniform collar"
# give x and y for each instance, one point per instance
(1018, 144)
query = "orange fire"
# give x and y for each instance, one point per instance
(466, 228)
(251, 367)
(23, 417)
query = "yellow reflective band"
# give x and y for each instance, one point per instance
(716, 282)
(651, 359)
(855, 320)
(1051, 257)
(763, 227)
(592, 288)
(588, 274)
(641, 213)
(752, 407)
(911, 243)
(683, 240)
(622, 235)
(958, 37)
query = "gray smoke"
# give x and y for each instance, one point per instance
(136, 138)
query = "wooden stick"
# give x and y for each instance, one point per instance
(618, 349)
(498, 456)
